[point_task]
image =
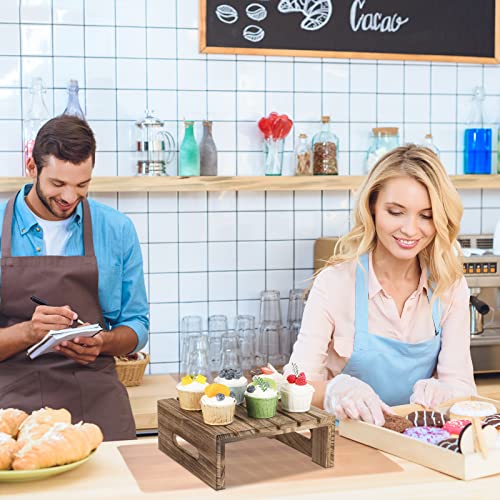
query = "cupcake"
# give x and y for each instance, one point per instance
(261, 398)
(234, 379)
(296, 393)
(269, 372)
(217, 406)
(190, 390)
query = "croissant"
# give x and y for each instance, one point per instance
(40, 421)
(10, 420)
(8, 448)
(62, 444)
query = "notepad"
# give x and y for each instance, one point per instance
(55, 337)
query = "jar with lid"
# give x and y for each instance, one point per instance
(303, 156)
(325, 150)
(429, 144)
(383, 140)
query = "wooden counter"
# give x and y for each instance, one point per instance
(106, 475)
(143, 398)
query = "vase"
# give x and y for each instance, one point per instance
(273, 150)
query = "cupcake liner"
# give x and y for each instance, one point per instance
(189, 400)
(217, 415)
(261, 408)
(296, 402)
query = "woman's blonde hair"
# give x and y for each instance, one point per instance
(442, 257)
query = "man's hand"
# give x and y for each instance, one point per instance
(47, 318)
(82, 350)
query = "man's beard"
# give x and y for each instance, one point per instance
(46, 203)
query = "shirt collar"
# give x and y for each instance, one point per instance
(375, 287)
(25, 215)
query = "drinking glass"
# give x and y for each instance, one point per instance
(270, 308)
(230, 351)
(217, 327)
(295, 311)
(267, 349)
(190, 327)
(198, 359)
(244, 326)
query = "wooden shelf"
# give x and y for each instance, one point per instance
(256, 183)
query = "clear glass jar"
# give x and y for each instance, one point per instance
(325, 150)
(429, 144)
(383, 139)
(303, 156)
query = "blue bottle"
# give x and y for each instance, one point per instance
(477, 139)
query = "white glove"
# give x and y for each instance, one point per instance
(431, 392)
(349, 397)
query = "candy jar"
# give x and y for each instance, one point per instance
(303, 157)
(325, 150)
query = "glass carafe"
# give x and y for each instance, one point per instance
(208, 151)
(477, 139)
(189, 153)
(37, 115)
(325, 150)
(73, 107)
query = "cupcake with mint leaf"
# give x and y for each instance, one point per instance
(234, 379)
(261, 398)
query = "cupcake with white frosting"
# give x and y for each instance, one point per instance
(268, 372)
(296, 393)
(190, 391)
(261, 398)
(217, 406)
(234, 379)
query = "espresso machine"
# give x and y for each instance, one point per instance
(482, 273)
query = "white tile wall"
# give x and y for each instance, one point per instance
(212, 253)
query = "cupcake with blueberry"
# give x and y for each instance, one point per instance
(261, 398)
(234, 379)
(190, 391)
(217, 406)
(296, 393)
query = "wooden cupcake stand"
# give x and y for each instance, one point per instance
(205, 458)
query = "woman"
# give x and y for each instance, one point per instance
(388, 316)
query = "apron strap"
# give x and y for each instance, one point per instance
(361, 306)
(436, 310)
(7, 228)
(88, 240)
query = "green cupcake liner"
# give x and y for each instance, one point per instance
(261, 408)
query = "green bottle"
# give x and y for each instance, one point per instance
(189, 153)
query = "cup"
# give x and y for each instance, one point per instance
(190, 327)
(198, 359)
(230, 351)
(296, 305)
(270, 308)
(217, 327)
(267, 348)
(244, 326)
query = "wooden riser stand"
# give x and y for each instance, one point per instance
(208, 460)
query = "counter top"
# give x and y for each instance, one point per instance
(143, 398)
(107, 475)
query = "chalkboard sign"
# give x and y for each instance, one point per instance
(437, 30)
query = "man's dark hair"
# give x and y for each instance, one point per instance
(68, 138)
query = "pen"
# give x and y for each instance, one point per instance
(40, 302)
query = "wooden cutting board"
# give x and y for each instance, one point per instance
(252, 461)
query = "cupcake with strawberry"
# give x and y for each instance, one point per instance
(217, 405)
(270, 373)
(261, 398)
(296, 393)
(190, 391)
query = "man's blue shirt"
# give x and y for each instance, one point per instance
(122, 293)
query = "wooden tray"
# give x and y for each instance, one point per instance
(206, 456)
(454, 464)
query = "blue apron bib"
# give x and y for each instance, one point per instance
(390, 367)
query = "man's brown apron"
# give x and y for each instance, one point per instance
(92, 392)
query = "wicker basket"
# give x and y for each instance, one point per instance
(130, 372)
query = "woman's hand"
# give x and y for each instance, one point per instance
(349, 397)
(431, 392)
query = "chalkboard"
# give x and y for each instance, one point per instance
(437, 30)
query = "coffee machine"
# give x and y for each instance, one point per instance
(482, 273)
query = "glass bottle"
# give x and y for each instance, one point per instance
(303, 156)
(37, 115)
(325, 150)
(477, 139)
(189, 153)
(208, 151)
(198, 357)
(73, 107)
(429, 143)
(383, 140)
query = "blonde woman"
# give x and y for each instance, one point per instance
(387, 319)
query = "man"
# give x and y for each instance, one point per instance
(83, 259)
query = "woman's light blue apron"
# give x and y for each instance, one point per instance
(389, 366)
